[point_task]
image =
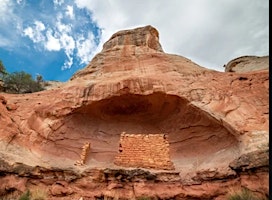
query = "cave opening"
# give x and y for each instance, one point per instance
(129, 107)
(194, 136)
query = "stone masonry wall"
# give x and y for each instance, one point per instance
(144, 151)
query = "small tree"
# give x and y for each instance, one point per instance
(3, 71)
(21, 82)
(39, 78)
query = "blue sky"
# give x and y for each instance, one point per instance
(51, 38)
(56, 38)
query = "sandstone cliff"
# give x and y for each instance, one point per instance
(212, 127)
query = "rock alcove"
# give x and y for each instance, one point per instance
(194, 136)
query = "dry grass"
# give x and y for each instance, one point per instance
(38, 194)
(243, 194)
(34, 194)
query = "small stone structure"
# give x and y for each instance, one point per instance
(84, 154)
(144, 151)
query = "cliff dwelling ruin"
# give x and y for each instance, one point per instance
(144, 150)
(194, 137)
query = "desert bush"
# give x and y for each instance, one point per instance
(243, 194)
(25, 196)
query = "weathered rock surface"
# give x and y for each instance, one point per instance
(247, 64)
(51, 84)
(216, 125)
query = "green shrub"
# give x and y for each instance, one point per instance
(21, 82)
(25, 196)
(3, 71)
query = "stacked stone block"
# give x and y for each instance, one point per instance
(84, 154)
(144, 151)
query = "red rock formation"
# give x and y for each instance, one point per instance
(247, 64)
(217, 124)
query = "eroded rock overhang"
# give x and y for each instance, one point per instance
(196, 138)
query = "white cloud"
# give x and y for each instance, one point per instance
(6, 7)
(9, 25)
(68, 44)
(53, 43)
(39, 25)
(206, 31)
(58, 37)
(58, 2)
(35, 33)
(68, 63)
(70, 11)
(63, 28)
(19, 1)
(86, 48)
(57, 31)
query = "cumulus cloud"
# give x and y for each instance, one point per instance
(52, 43)
(63, 28)
(61, 36)
(62, 39)
(35, 33)
(68, 44)
(208, 32)
(86, 48)
(69, 62)
(55, 38)
(70, 12)
(58, 2)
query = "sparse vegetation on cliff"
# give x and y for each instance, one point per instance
(144, 198)
(36, 194)
(25, 196)
(243, 194)
(19, 82)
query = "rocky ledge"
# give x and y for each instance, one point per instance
(247, 64)
(121, 183)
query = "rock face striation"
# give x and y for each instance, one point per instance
(212, 126)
